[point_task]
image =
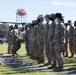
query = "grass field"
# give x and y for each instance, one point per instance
(4, 48)
(69, 64)
(4, 70)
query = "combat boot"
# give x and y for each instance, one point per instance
(40, 61)
(53, 65)
(72, 55)
(13, 54)
(58, 69)
(16, 53)
(46, 64)
(66, 55)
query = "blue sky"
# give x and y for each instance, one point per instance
(8, 8)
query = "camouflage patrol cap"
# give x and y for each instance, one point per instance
(33, 21)
(16, 26)
(59, 15)
(47, 16)
(69, 20)
(40, 16)
(52, 15)
(75, 23)
(26, 25)
(29, 24)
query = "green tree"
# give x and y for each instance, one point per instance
(4, 29)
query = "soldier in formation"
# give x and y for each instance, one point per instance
(46, 40)
(40, 42)
(57, 43)
(65, 45)
(74, 38)
(70, 37)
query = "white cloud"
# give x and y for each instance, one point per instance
(63, 3)
(56, 3)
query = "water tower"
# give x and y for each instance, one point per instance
(21, 16)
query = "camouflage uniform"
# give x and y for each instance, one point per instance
(29, 37)
(58, 40)
(51, 38)
(46, 41)
(9, 37)
(65, 45)
(29, 40)
(74, 40)
(32, 42)
(70, 36)
(35, 45)
(37, 42)
(40, 43)
(26, 40)
(16, 42)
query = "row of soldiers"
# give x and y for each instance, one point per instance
(70, 37)
(50, 39)
(46, 39)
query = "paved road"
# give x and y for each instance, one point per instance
(17, 63)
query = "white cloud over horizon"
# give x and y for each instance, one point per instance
(63, 3)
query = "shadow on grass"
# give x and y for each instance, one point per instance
(69, 60)
(70, 69)
(70, 65)
(1, 54)
(18, 72)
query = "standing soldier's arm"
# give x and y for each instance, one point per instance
(71, 33)
(62, 34)
(49, 34)
(44, 33)
(72, 29)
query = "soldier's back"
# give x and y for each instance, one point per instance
(74, 34)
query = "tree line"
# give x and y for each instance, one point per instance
(4, 29)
